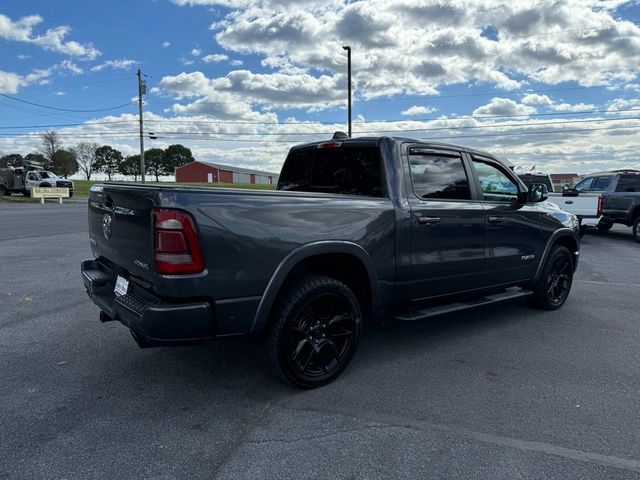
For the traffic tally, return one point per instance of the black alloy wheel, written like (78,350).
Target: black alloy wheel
(559,280)
(551,290)
(635,229)
(315,331)
(321,335)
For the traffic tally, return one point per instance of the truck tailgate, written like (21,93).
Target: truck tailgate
(582,204)
(120,227)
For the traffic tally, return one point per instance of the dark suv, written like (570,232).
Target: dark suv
(620,191)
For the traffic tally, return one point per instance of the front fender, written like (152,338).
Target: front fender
(301,253)
(559,236)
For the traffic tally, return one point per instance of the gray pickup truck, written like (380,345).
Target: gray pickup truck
(358,230)
(619,194)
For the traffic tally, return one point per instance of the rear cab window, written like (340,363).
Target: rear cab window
(348,169)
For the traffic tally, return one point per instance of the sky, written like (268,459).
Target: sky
(552,84)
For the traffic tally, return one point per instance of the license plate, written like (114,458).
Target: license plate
(122,286)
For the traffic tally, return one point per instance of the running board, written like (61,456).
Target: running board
(454,307)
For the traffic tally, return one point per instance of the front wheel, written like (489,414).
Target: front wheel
(553,287)
(314,331)
(635,229)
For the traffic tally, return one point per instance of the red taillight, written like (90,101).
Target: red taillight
(176,246)
(600,204)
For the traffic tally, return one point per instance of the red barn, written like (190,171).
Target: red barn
(202,171)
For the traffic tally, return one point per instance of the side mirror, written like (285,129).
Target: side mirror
(565,187)
(538,192)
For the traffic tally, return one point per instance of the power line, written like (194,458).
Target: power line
(215,136)
(337,122)
(65,109)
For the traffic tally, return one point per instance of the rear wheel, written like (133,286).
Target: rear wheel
(604,225)
(635,229)
(26,193)
(314,331)
(3,191)
(553,287)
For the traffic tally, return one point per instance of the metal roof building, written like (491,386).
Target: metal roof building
(203,171)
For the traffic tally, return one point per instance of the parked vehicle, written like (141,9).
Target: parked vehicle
(620,194)
(357,230)
(587,207)
(23,179)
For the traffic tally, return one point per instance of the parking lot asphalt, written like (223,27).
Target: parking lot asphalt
(501,392)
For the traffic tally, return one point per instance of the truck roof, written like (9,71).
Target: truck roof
(378,139)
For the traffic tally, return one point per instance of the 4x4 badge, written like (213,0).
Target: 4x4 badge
(106,226)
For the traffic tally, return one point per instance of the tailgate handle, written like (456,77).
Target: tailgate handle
(428,220)
(496,219)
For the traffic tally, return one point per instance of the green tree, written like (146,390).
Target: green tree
(64,163)
(130,167)
(107,160)
(11,160)
(176,156)
(154,162)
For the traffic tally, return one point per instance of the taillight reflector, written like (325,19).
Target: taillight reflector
(176,248)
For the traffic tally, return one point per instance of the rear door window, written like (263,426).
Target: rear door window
(345,169)
(628,183)
(601,183)
(442,177)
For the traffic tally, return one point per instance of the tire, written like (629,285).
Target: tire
(553,287)
(26,193)
(4,191)
(314,331)
(582,231)
(604,225)
(635,229)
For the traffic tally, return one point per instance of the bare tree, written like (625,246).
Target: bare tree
(86,157)
(51,144)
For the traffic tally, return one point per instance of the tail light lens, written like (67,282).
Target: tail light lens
(600,204)
(176,245)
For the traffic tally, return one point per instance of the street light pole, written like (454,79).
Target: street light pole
(348,49)
(142,88)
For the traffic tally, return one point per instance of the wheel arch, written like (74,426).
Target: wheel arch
(565,237)
(342,260)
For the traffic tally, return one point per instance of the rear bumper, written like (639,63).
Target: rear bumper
(589,220)
(152,321)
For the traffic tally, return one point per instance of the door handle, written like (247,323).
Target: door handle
(428,220)
(568,202)
(496,219)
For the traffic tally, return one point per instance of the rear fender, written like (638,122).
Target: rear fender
(301,253)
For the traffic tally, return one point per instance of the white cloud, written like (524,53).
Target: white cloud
(195,52)
(11,82)
(535,99)
(166,44)
(503,107)
(23,56)
(123,64)
(236,63)
(22,30)
(215,58)
(60,93)
(71,67)
(418,110)
(573,107)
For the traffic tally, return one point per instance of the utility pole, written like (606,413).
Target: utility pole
(348,49)
(142,89)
